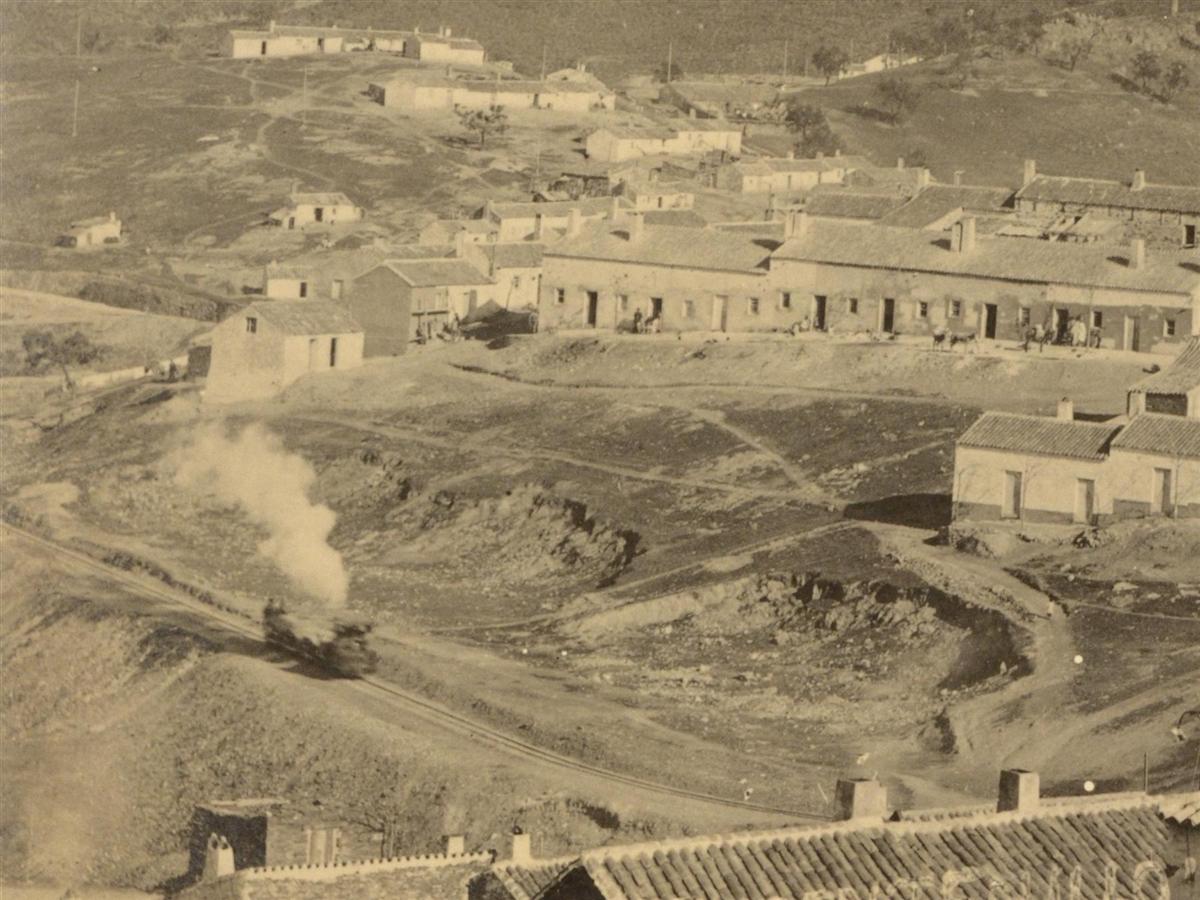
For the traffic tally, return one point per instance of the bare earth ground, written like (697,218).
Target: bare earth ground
(716,575)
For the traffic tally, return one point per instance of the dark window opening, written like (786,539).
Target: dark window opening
(251,325)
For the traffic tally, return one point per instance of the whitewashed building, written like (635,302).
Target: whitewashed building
(697,136)
(323,209)
(92,232)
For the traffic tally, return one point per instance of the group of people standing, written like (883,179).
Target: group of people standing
(644,325)
(1073,332)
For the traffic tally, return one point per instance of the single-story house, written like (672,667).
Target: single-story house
(407,94)
(302,40)
(515,267)
(617,144)
(522,221)
(781,175)
(850,204)
(1042,469)
(286,283)
(938,206)
(1175,390)
(655,195)
(865,277)
(402,300)
(324,209)
(1138,201)
(92,232)
(260,350)
(446,231)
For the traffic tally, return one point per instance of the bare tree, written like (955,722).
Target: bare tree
(898,96)
(44,348)
(493,120)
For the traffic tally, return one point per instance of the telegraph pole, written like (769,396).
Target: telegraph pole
(304,101)
(785,50)
(670,57)
(75,114)
(543,61)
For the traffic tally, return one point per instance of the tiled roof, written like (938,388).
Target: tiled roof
(1041,435)
(420,251)
(939,199)
(1183,809)
(1011,259)
(1179,377)
(850,205)
(587,206)
(1043,849)
(530,87)
(904,180)
(691,248)
(1096,192)
(637,132)
(93,222)
(1165,435)
(772,230)
(305,316)
(513,255)
(325,198)
(680,218)
(527,881)
(437,272)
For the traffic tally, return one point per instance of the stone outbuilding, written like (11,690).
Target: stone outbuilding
(316,209)
(92,232)
(266,346)
(1175,390)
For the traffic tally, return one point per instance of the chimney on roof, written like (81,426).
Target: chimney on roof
(900,162)
(1139,180)
(218,858)
(795,224)
(837,151)
(574,221)
(539,227)
(922,178)
(791,154)
(271,27)
(1030,172)
(522,848)
(1019,791)
(460,243)
(636,226)
(860,799)
(112,216)
(1137,253)
(614,208)
(1066,410)
(691,112)
(449,33)
(456,845)
(963,240)
(958,174)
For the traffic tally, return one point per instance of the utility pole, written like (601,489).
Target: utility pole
(785,50)
(670,59)
(79,34)
(543,61)
(75,115)
(304,102)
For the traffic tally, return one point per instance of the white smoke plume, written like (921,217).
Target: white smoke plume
(254,471)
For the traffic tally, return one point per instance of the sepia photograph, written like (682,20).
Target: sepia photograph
(600,449)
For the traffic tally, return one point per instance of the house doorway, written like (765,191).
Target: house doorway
(291,223)
(472,301)
(820,305)
(333,353)
(1010,507)
(318,214)
(1161,502)
(887,315)
(320,45)
(656,304)
(990,315)
(593,308)
(1062,325)
(1132,333)
(313,353)
(262,50)
(335,289)
(1085,501)
(720,312)
(1189,235)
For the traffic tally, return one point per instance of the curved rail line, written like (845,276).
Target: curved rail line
(427,709)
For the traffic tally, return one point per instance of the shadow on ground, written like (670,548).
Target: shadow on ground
(927,511)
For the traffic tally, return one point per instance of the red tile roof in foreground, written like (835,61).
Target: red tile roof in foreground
(1036,854)
(1040,434)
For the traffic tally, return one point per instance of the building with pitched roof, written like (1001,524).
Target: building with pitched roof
(523,221)
(863,277)
(1040,469)
(1175,390)
(278,40)
(850,204)
(939,206)
(93,232)
(1175,207)
(770,175)
(516,269)
(447,94)
(263,348)
(322,209)
(690,279)
(617,144)
(404,300)
(1119,845)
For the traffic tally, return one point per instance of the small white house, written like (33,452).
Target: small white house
(282,283)
(317,209)
(619,144)
(92,232)
(261,349)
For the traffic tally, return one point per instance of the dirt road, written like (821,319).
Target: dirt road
(378,698)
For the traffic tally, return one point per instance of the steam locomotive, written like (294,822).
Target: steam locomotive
(341,645)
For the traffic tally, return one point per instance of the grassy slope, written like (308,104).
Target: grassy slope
(1085,124)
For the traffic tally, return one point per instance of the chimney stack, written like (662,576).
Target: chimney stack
(614,208)
(456,845)
(522,848)
(795,224)
(1137,253)
(449,33)
(963,240)
(112,216)
(271,27)
(460,243)
(539,227)
(900,163)
(574,222)
(1139,180)
(636,224)
(1019,791)
(922,178)
(958,174)
(791,154)
(691,112)
(1030,172)
(1066,412)
(860,799)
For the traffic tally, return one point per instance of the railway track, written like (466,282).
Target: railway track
(400,698)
